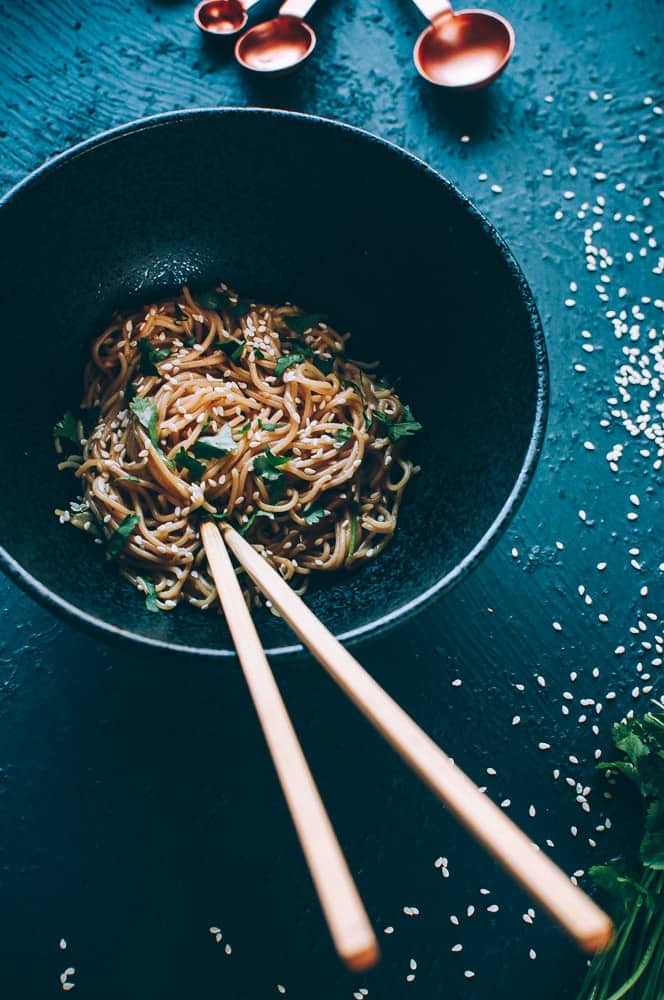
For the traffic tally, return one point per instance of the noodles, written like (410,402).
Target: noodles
(211,407)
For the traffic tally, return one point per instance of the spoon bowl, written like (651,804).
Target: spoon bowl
(276,46)
(465,50)
(221,17)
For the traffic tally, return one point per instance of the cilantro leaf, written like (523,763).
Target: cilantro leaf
(267,464)
(186,461)
(128,479)
(216,445)
(130,392)
(65,427)
(344,434)
(252,518)
(287,361)
(403,428)
(233,348)
(146,413)
(353,531)
(150,356)
(267,426)
(117,541)
(267,467)
(150,594)
(652,844)
(300,324)
(314,513)
(212,299)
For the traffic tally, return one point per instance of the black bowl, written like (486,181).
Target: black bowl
(282,207)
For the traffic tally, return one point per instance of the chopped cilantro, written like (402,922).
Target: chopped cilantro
(233,348)
(403,428)
(300,324)
(146,413)
(212,299)
(216,445)
(267,426)
(129,392)
(185,461)
(66,428)
(150,356)
(267,467)
(245,428)
(344,434)
(314,513)
(287,361)
(179,313)
(353,530)
(252,518)
(258,354)
(118,539)
(150,594)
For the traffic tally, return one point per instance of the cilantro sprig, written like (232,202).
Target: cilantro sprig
(634,885)
(216,445)
(404,427)
(150,356)
(66,427)
(117,541)
(267,466)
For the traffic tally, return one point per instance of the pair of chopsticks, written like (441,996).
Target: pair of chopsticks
(349,926)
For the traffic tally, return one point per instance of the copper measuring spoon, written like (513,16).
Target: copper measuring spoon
(462,50)
(222,17)
(280,44)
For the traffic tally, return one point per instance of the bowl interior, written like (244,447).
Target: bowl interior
(282,207)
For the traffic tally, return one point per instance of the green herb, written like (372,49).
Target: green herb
(128,479)
(66,428)
(212,299)
(344,434)
(150,594)
(267,426)
(186,461)
(353,530)
(367,417)
(205,515)
(129,392)
(150,356)
(146,413)
(267,467)
(118,539)
(403,428)
(245,428)
(233,348)
(287,361)
(258,354)
(256,513)
(635,885)
(190,341)
(179,313)
(314,513)
(324,365)
(300,324)
(216,445)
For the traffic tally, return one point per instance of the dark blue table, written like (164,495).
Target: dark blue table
(137,804)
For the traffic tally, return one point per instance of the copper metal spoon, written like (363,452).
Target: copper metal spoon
(462,50)
(222,17)
(280,44)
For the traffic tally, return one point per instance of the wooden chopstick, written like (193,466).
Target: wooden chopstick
(590,927)
(346,917)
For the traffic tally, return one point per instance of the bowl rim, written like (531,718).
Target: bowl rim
(482,547)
